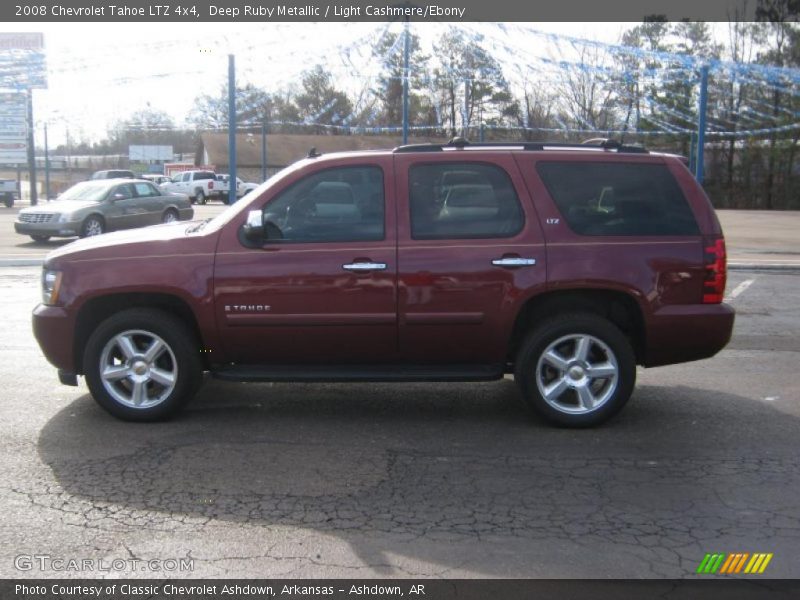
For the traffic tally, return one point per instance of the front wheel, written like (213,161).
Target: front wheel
(8,200)
(576,370)
(92,226)
(142,365)
(40,238)
(200,196)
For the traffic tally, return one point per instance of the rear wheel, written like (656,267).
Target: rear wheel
(200,196)
(8,200)
(576,370)
(142,365)
(170,216)
(93,225)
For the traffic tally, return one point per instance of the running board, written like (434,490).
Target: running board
(353,373)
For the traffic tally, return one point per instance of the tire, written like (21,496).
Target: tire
(170,216)
(137,392)
(200,196)
(93,225)
(40,238)
(8,200)
(560,356)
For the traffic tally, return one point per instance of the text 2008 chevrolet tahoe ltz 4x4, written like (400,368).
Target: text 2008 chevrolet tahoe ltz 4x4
(566,266)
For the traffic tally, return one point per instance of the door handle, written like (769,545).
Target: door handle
(364,266)
(513,261)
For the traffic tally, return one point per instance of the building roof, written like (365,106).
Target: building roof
(284,148)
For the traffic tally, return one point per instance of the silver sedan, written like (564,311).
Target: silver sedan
(94,207)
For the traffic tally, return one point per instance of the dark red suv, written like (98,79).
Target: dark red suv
(564,265)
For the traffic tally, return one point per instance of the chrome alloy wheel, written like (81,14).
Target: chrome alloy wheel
(93,227)
(577,374)
(138,369)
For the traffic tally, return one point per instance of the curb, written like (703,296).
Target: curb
(21,262)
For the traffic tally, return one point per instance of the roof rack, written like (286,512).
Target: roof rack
(460,143)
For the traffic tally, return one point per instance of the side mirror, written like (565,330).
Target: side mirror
(254,226)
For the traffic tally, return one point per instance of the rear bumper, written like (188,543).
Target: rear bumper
(53,328)
(682,333)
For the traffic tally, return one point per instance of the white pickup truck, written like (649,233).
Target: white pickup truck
(242,188)
(8,192)
(198,185)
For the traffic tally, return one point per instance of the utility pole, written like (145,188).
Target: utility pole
(406,54)
(232,128)
(31,151)
(46,166)
(701,123)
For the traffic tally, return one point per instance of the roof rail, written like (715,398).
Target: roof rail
(459,143)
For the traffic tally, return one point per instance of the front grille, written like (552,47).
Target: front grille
(35,217)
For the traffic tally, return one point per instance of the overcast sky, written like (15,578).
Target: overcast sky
(98,73)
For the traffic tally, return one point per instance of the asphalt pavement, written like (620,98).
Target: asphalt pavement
(410,480)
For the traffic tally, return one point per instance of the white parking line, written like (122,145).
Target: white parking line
(740,288)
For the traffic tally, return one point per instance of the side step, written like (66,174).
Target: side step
(352,373)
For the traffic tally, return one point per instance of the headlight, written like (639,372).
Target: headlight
(51,282)
(64,218)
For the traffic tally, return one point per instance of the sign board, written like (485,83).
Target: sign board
(171,169)
(13,128)
(22,63)
(148,153)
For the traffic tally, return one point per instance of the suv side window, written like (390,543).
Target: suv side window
(618,199)
(333,205)
(463,200)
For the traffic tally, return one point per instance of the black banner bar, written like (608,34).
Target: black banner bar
(386,589)
(239,11)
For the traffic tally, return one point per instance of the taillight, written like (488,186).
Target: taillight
(715,262)
(211,185)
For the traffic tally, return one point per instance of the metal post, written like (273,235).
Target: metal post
(46,166)
(232,128)
(31,152)
(263,150)
(466,108)
(406,53)
(701,123)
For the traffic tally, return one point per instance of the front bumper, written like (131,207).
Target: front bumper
(53,328)
(69,229)
(682,333)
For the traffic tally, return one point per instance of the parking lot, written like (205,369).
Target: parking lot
(411,480)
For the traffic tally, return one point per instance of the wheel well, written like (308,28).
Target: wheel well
(618,307)
(97,310)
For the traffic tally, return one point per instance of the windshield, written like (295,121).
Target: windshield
(88,191)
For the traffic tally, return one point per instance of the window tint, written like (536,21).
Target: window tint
(123,191)
(204,175)
(342,204)
(462,200)
(618,199)
(145,190)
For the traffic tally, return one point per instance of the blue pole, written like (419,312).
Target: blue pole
(406,52)
(263,150)
(232,128)
(701,123)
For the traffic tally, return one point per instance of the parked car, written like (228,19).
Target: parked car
(242,188)
(8,192)
(565,266)
(198,185)
(155,178)
(113,174)
(93,207)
